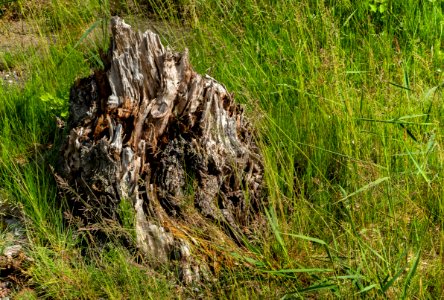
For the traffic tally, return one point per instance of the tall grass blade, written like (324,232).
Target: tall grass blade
(307,238)
(401,86)
(368,288)
(87,32)
(409,132)
(418,167)
(311,270)
(410,275)
(80,40)
(364,188)
(349,18)
(312,288)
(395,121)
(386,286)
(315,240)
(272,219)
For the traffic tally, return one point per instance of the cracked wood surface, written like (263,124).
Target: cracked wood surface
(152,130)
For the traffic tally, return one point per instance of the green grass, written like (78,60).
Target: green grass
(348,106)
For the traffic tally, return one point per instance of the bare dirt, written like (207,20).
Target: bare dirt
(18,35)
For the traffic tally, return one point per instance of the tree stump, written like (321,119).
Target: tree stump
(150,130)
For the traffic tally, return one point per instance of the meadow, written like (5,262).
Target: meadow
(347,99)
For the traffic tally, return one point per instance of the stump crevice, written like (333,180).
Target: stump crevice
(151,130)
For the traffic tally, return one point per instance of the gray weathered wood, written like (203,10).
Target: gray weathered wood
(152,130)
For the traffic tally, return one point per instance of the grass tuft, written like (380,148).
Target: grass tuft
(347,100)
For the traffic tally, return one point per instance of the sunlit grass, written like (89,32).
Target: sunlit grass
(348,107)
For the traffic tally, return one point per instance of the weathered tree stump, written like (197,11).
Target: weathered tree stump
(150,130)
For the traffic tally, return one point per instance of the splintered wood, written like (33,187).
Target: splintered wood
(148,129)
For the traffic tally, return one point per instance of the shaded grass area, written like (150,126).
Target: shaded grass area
(348,104)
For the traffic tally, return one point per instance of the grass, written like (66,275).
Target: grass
(349,113)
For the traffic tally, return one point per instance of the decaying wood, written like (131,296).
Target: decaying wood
(151,130)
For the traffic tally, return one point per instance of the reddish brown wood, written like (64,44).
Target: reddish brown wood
(173,142)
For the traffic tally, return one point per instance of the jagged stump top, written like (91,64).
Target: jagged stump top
(150,129)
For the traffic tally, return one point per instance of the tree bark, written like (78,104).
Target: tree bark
(149,129)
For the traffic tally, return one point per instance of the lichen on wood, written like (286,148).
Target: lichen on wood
(151,130)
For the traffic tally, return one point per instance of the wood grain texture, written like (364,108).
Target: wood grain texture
(150,129)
